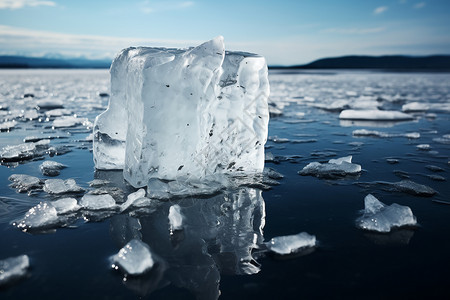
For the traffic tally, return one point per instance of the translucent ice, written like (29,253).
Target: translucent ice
(40,216)
(51,168)
(5,126)
(132,198)
(379,217)
(66,205)
(67,121)
(98,202)
(339,167)
(193,112)
(175,218)
(374,115)
(18,152)
(375,133)
(291,244)
(24,183)
(59,186)
(134,258)
(411,187)
(13,268)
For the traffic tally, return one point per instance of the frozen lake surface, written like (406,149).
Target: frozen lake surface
(215,242)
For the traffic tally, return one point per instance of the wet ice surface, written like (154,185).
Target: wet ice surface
(226,227)
(134,258)
(13,268)
(291,244)
(334,168)
(377,216)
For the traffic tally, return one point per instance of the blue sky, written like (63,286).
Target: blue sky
(285,32)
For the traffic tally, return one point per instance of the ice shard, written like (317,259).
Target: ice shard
(184,112)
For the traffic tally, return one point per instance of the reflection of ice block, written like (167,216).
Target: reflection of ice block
(193,112)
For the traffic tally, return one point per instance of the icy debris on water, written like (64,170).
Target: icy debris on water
(374,115)
(445,139)
(24,183)
(58,112)
(132,198)
(291,244)
(423,147)
(8,125)
(392,161)
(98,202)
(114,191)
(65,205)
(436,177)
(413,188)
(434,168)
(374,133)
(59,186)
(335,168)
(67,121)
(48,104)
(41,216)
(51,168)
(175,218)
(377,216)
(13,268)
(18,152)
(271,173)
(98,182)
(135,258)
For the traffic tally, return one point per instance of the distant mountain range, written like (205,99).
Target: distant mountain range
(388,62)
(391,62)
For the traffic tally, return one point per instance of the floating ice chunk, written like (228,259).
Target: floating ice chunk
(67,121)
(5,126)
(98,182)
(49,104)
(98,202)
(175,218)
(424,147)
(51,168)
(415,107)
(271,173)
(434,168)
(291,244)
(222,122)
(59,186)
(65,205)
(13,268)
(134,258)
(436,177)
(30,114)
(374,115)
(379,217)
(132,198)
(40,216)
(333,169)
(23,183)
(411,187)
(18,152)
(374,133)
(445,139)
(57,112)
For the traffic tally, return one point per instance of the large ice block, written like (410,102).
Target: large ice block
(184,112)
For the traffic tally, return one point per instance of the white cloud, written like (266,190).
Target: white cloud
(354,30)
(380,10)
(419,5)
(36,42)
(148,7)
(16,4)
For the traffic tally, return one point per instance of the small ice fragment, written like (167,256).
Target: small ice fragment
(423,147)
(90,137)
(65,205)
(415,107)
(5,126)
(13,268)
(38,217)
(98,202)
(445,139)
(175,218)
(436,177)
(392,161)
(30,114)
(375,133)
(271,173)
(157,189)
(98,182)
(335,168)
(67,121)
(434,168)
(374,115)
(410,187)
(59,186)
(18,152)
(379,217)
(269,157)
(290,244)
(23,183)
(51,168)
(134,258)
(57,112)
(48,104)
(132,198)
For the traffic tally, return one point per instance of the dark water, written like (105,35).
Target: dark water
(220,243)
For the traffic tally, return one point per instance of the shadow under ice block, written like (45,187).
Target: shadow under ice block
(184,113)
